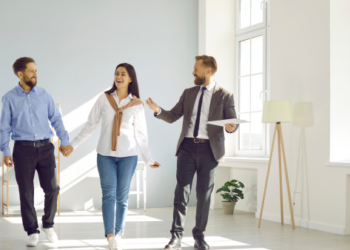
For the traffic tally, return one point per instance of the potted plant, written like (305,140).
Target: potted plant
(231,193)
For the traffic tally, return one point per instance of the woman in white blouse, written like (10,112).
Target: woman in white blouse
(123,128)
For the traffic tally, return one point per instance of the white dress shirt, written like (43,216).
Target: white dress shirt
(133,130)
(202,131)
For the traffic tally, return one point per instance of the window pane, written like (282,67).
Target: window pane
(245,57)
(256,96)
(257,54)
(244,132)
(244,94)
(256,131)
(245,13)
(257,12)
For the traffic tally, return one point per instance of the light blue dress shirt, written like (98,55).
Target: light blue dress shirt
(27,116)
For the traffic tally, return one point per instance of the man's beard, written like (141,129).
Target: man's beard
(199,81)
(29,83)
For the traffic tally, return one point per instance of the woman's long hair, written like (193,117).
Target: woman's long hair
(133,86)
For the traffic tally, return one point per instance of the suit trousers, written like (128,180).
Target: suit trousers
(193,158)
(26,160)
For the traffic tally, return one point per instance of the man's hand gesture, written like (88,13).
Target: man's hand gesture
(152,105)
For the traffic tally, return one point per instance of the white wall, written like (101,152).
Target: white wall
(77,46)
(347,229)
(301,72)
(219,41)
(309,58)
(340,78)
(216,37)
(340,91)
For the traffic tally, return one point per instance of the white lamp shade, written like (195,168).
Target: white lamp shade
(277,111)
(303,114)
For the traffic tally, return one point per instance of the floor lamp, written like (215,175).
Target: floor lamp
(278,112)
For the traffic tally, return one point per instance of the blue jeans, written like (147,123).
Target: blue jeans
(115,175)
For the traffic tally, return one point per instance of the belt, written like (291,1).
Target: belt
(197,140)
(35,144)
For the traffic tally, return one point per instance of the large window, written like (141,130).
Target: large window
(251,75)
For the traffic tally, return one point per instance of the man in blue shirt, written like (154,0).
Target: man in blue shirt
(26,112)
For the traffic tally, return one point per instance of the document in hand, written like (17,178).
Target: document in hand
(221,123)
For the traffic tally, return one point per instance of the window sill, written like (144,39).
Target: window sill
(338,163)
(247,159)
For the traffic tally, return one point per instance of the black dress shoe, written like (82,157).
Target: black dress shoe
(174,244)
(200,243)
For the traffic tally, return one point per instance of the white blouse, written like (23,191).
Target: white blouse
(133,130)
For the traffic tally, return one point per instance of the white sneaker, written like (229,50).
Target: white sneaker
(115,243)
(50,234)
(33,240)
(119,242)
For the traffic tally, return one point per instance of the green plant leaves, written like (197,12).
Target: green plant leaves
(226,196)
(232,191)
(223,189)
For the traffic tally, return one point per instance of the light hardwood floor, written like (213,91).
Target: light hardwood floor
(150,230)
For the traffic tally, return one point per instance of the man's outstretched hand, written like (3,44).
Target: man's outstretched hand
(152,105)
(8,161)
(66,150)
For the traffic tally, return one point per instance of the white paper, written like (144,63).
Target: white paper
(223,122)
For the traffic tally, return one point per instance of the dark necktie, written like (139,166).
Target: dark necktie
(196,126)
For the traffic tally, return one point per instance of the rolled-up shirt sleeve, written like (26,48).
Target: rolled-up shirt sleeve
(141,135)
(5,127)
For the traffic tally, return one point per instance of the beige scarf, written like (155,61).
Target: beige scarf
(119,116)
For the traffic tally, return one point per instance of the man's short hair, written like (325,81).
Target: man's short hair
(21,64)
(208,61)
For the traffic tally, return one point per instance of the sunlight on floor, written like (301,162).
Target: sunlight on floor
(83,248)
(148,243)
(215,241)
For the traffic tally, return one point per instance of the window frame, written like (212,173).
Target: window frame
(261,29)
(261,25)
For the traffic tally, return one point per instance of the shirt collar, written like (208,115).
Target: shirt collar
(129,96)
(20,90)
(210,87)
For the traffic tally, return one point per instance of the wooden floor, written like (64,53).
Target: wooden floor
(150,230)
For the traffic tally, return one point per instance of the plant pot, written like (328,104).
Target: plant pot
(228,206)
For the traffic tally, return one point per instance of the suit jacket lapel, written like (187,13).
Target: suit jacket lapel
(215,99)
(193,97)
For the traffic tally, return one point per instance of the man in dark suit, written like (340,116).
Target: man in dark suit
(200,147)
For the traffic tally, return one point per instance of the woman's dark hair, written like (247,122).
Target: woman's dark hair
(133,86)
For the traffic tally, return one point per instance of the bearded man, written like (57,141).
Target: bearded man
(200,147)
(26,110)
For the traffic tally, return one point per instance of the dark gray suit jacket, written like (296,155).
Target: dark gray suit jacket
(221,107)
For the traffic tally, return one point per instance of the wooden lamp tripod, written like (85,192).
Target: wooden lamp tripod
(277,112)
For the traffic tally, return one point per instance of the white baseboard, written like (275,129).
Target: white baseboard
(304,223)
